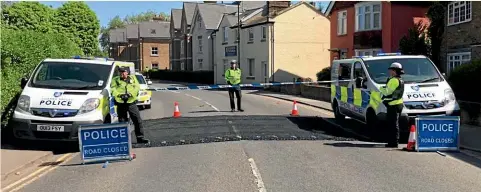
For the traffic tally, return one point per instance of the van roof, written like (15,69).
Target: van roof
(393,57)
(100,62)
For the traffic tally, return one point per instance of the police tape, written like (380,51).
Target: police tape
(259,85)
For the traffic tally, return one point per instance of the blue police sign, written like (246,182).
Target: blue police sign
(437,133)
(230,51)
(105,142)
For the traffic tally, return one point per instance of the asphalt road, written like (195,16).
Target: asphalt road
(291,154)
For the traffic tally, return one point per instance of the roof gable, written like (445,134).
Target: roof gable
(189,8)
(176,17)
(211,14)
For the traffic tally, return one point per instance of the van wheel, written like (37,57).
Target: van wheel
(339,117)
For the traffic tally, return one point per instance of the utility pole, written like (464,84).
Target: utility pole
(238,34)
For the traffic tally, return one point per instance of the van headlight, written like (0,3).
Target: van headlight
(142,93)
(449,96)
(24,103)
(89,105)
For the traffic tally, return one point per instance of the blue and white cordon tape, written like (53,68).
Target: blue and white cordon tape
(197,87)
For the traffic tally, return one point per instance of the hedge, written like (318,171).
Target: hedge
(21,51)
(201,77)
(462,77)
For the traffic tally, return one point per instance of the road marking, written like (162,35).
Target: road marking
(213,107)
(38,173)
(257,175)
(174,91)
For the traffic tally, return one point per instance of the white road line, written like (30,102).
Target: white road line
(213,107)
(257,175)
(174,91)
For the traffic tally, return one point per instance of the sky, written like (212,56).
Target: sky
(106,10)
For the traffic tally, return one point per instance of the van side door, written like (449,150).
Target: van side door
(360,92)
(345,78)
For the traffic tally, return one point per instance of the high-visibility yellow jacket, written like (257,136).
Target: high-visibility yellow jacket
(129,85)
(233,76)
(394,90)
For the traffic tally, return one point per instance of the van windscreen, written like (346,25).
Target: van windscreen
(68,75)
(416,70)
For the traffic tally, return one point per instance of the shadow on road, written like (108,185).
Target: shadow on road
(466,158)
(209,111)
(360,145)
(9,142)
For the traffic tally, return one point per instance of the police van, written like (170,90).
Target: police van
(62,94)
(355,87)
(145,96)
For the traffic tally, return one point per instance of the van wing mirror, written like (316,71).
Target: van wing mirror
(149,82)
(23,82)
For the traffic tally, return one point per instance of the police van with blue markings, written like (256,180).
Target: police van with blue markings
(62,94)
(356,82)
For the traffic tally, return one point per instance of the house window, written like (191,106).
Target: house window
(342,23)
(226,34)
(457,59)
(252,65)
(200,43)
(264,32)
(459,12)
(199,22)
(152,31)
(200,61)
(154,51)
(154,66)
(182,47)
(237,34)
(251,35)
(225,64)
(343,54)
(182,66)
(367,52)
(368,16)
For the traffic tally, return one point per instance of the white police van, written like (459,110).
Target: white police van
(62,94)
(356,82)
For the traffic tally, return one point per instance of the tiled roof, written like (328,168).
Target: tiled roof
(212,13)
(176,17)
(118,35)
(189,8)
(155,29)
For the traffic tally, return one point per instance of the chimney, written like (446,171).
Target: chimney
(276,6)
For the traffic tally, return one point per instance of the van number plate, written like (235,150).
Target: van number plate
(54,128)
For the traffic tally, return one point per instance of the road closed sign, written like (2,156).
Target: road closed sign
(437,133)
(105,142)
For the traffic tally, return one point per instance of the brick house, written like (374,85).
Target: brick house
(462,34)
(153,44)
(367,28)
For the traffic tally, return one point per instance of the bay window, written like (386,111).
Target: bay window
(368,16)
(459,12)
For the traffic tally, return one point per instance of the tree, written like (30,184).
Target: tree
(115,23)
(415,42)
(80,24)
(435,31)
(145,16)
(28,15)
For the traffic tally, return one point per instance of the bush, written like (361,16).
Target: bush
(324,75)
(21,51)
(463,76)
(201,77)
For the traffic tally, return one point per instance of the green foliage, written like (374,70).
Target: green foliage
(324,75)
(415,43)
(80,24)
(464,75)
(145,16)
(28,15)
(21,51)
(436,16)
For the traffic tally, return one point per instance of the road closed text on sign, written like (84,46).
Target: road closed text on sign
(437,133)
(109,141)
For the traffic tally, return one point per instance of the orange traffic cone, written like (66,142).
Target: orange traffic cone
(294,111)
(412,139)
(176,111)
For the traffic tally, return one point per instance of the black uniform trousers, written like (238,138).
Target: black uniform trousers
(238,95)
(393,116)
(134,113)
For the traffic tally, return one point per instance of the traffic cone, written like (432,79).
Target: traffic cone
(412,139)
(294,111)
(176,111)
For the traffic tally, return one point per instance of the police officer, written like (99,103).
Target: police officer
(233,77)
(125,90)
(392,99)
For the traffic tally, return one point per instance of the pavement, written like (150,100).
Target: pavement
(262,149)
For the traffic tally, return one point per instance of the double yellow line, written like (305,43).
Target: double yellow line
(37,174)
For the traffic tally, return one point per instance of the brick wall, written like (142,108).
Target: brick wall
(163,57)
